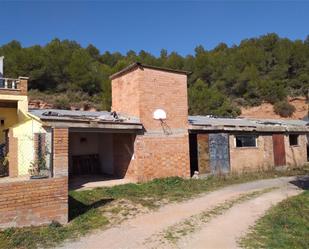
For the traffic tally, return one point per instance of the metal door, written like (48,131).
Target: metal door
(219,153)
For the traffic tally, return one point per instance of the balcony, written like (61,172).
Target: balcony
(11,86)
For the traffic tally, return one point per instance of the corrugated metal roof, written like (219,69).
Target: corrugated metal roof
(292,122)
(212,121)
(69,115)
(254,124)
(196,122)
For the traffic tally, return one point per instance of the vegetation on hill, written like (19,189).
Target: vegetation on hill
(267,68)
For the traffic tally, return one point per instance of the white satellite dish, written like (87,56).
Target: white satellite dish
(159,114)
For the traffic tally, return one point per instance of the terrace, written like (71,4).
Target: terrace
(9,86)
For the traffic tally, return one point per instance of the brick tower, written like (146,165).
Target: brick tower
(163,149)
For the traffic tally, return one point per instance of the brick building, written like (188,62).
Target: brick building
(147,135)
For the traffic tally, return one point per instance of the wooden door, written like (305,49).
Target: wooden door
(203,154)
(219,153)
(279,149)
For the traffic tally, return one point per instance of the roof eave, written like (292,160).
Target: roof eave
(140,65)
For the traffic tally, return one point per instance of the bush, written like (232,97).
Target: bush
(204,100)
(62,102)
(284,109)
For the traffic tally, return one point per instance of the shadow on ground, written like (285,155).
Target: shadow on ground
(77,208)
(301,182)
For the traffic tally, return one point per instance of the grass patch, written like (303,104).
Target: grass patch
(88,208)
(153,193)
(286,225)
(48,236)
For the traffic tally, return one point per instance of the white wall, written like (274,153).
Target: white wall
(94,143)
(89,146)
(106,153)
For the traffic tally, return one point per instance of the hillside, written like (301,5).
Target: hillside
(266,110)
(266,69)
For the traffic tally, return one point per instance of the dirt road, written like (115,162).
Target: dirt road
(221,231)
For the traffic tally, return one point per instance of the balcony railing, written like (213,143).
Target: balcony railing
(9,84)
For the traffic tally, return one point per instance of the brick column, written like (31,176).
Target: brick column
(61,151)
(13,155)
(23,85)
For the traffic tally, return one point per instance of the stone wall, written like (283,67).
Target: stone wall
(296,155)
(252,158)
(244,159)
(33,202)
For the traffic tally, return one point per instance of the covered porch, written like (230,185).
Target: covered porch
(100,157)
(100,146)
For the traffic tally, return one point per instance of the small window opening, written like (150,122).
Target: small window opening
(245,141)
(293,138)
(2,122)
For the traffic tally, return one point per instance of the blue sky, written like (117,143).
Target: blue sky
(151,25)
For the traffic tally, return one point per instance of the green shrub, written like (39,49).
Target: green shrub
(62,102)
(284,109)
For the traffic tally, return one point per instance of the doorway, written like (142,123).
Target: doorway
(219,153)
(209,153)
(98,157)
(279,150)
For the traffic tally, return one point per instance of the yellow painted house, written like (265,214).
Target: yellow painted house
(17,126)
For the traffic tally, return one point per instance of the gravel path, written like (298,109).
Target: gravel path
(135,233)
(224,231)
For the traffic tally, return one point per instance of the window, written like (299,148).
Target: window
(245,141)
(1,122)
(293,138)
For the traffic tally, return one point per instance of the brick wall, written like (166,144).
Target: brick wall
(161,156)
(13,156)
(23,86)
(33,202)
(163,149)
(125,93)
(167,91)
(61,151)
(296,155)
(123,148)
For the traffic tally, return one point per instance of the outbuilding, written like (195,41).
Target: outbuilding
(223,145)
(147,135)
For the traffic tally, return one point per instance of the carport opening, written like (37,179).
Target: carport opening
(96,159)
